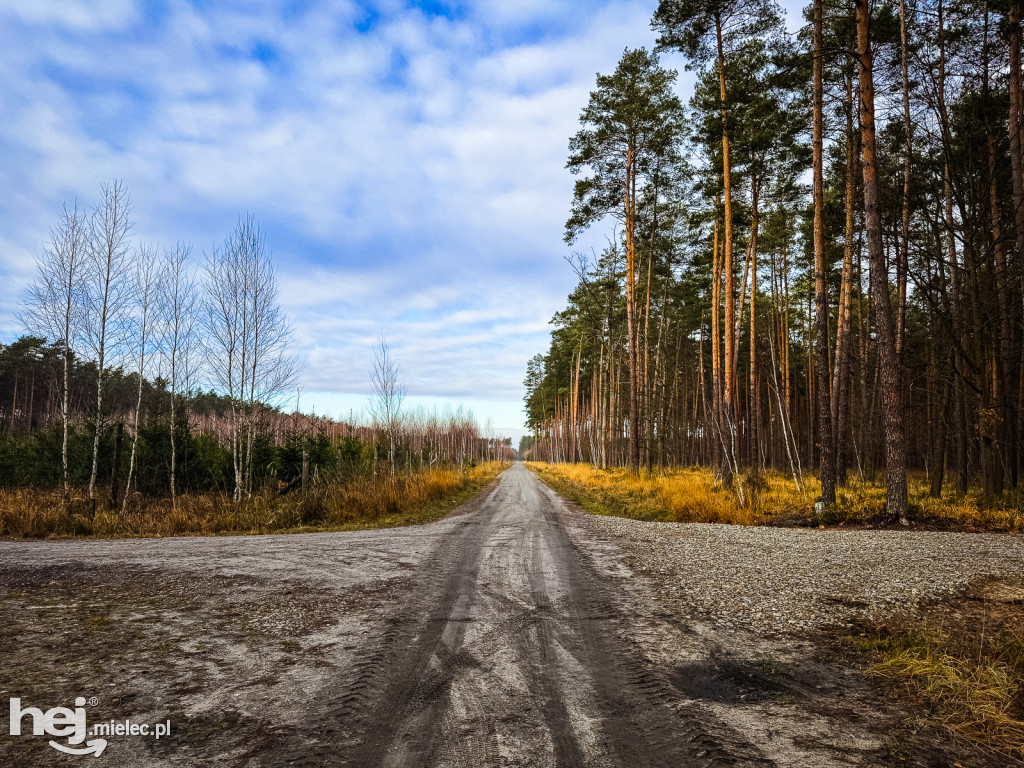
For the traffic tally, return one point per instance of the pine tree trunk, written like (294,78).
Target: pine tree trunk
(729,386)
(826,451)
(754,411)
(715,427)
(939,447)
(841,376)
(1002,373)
(1017,173)
(631,319)
(904,247)
(888,360)
(953,276)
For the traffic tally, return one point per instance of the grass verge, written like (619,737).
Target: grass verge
(770,498)
(355,503)
(961,662)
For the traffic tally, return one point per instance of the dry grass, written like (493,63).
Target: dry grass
(963,662)
(379,502)
(691,495)
(865,502)
(976,696)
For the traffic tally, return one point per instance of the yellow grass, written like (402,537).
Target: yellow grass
(969,681)
(691,495)
(378,502)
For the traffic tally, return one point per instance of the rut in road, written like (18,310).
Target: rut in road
(515,652)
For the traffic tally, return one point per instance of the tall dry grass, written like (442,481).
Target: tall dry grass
(359,502)
(678,495)
(965,667)
(692,495)
(975,694)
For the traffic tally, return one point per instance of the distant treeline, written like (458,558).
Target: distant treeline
(31,434)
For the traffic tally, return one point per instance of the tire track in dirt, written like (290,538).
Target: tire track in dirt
(644,721)
(345,727)
(513,653)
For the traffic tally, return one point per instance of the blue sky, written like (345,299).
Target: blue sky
(406,160)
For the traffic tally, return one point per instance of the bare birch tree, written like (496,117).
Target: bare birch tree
(146,291)
(179,304)
(106,294)
(54,302)
(248,336)
(388,395)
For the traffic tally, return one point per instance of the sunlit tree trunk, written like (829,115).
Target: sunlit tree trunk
(729,385)
(715,426)
(826,450)
(631,319)
(841,376)
(754,410)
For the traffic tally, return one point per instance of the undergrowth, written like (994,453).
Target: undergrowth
(770,498)
(963,663)
(349,504)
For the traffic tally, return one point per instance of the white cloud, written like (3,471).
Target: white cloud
(74,14)
(410,178)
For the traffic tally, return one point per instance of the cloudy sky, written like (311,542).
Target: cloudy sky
(405,159)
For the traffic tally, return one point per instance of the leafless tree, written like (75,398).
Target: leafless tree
(107,293)
(179,304)
(146,290)
(248,336)
(54,303)
(388,395)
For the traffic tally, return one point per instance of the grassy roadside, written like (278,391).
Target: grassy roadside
(691,495)
(961,661)
(605,492)
(355,504)
(422,509)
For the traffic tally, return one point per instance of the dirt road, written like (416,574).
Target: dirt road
(505,635)
(515,657)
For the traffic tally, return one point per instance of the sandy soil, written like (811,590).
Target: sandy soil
(510,634)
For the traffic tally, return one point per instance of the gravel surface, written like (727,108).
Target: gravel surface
(772,580)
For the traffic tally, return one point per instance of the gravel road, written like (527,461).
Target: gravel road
(773,580)
(517,632)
